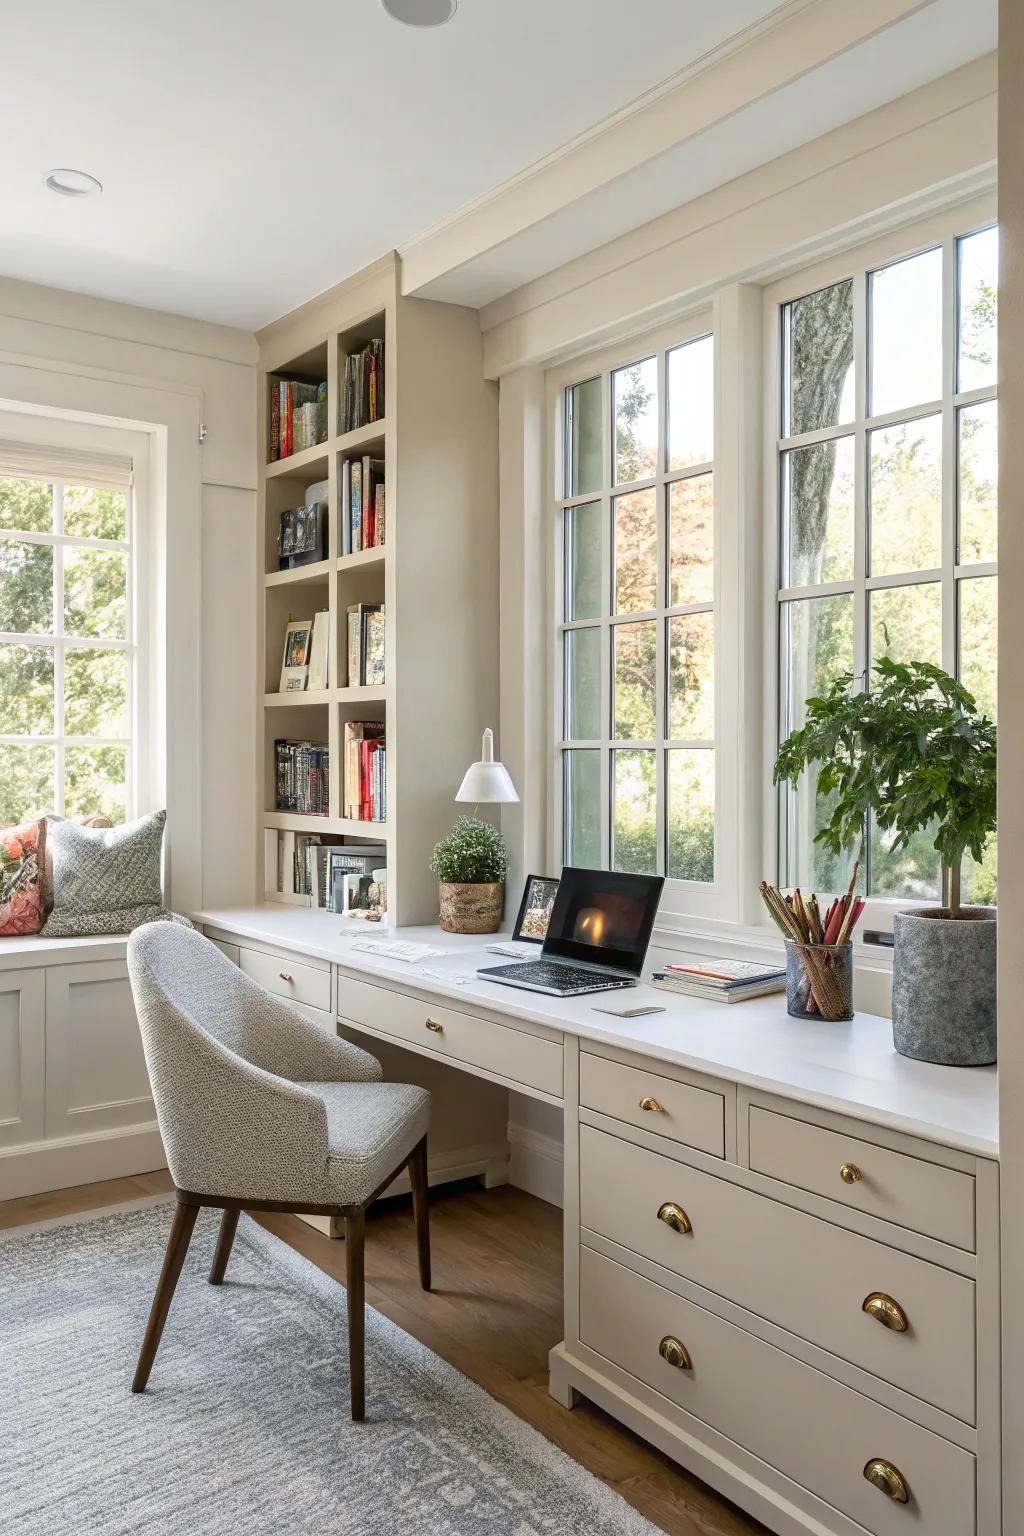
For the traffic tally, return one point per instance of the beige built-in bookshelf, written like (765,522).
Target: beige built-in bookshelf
(436,573)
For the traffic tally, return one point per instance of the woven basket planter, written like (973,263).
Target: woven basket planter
(471,908)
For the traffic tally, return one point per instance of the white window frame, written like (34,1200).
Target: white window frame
(941,230)
(682,898)
(138,752)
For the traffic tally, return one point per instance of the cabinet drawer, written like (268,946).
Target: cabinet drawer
(288,978)
(806,1425)
(695,1116)
(909,1191)
(230,950)
(809,1276)
(522,1057)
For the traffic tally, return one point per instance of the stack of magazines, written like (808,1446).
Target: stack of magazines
(726,981)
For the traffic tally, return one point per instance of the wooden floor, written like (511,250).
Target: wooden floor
(494,1312)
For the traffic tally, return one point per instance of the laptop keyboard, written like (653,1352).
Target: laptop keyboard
(567,978)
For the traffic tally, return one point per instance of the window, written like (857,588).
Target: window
(635,704)
(67,641)
(887,498)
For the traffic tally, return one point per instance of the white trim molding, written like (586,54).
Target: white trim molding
(779,49)
(930,148)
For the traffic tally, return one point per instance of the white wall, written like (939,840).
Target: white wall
(65,350)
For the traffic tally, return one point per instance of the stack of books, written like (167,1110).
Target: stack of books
(301,777)
(362,504)
(365,765)
(298,416)
(366,668)
(724,981)
(363,400)
(326,870)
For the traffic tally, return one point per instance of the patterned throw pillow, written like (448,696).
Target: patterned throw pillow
(22,864)
(106,880)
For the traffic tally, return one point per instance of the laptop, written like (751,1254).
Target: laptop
(597,937)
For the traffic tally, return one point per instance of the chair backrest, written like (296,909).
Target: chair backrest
(213,1056)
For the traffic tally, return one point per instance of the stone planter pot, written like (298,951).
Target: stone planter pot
(944,987)
(471,908)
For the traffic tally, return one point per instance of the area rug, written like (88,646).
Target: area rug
(244,1430)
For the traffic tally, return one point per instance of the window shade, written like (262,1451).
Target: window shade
(73,466)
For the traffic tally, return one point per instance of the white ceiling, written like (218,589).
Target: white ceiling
(254,153)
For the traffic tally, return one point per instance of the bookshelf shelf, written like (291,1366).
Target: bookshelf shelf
(373,556)
(365,694)
(360,438)
(288,821)
(294,700)
(433,450)
(310,459)
(302,575)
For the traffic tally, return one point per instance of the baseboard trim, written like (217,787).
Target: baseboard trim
(39,1166)
(536,1163)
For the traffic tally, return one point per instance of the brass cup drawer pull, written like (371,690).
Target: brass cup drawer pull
(889,1479)
(676,1353)
(886,1311)
(434,1027)
(849,1173)
(285,977)
(675,1217)
(653,1105)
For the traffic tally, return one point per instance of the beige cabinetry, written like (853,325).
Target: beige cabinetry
(805,1314)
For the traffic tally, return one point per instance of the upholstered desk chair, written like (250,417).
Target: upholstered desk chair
(260,1110)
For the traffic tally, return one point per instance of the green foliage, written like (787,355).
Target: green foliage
(915,751)
(95,682)
(473,853)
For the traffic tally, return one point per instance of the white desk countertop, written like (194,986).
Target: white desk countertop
(850,1068)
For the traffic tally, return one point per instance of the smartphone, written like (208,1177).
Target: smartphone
(628,1013)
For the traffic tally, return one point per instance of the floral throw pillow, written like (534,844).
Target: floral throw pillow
(22,868)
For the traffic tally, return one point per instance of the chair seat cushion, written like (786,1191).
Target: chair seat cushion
(371,1129)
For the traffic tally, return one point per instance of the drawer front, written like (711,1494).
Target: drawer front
(808,1276)
(695,1116)
(288,978)
(806,1425)
(231,950)
(912,1193)
(509,1053)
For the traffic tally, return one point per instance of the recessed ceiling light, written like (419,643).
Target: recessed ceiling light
(421,13)
(70,183)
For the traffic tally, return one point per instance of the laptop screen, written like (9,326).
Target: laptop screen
(603,918)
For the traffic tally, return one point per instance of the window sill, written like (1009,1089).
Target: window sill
(19,952)
(732,941)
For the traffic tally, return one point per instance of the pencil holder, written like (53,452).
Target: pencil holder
(819,981)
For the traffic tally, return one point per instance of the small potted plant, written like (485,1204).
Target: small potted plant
(471,864)
(918,754)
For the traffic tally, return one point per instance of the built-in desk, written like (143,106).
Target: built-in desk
(781,1237)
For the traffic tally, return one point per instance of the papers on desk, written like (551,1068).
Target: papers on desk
(398,949)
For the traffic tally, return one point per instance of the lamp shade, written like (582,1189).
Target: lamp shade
(487,782)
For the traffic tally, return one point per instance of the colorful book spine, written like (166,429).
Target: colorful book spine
(275,424)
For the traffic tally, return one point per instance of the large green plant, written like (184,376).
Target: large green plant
(473,853)
(915,751)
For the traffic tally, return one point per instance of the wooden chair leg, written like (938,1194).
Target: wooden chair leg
(228,1225)
(421,1209)
(177,1247)
(355,1232)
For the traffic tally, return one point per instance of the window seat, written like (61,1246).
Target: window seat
(18,951)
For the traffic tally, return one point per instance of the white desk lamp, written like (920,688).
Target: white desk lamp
(487,782)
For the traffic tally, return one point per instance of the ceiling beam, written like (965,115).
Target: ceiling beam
(796,38)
